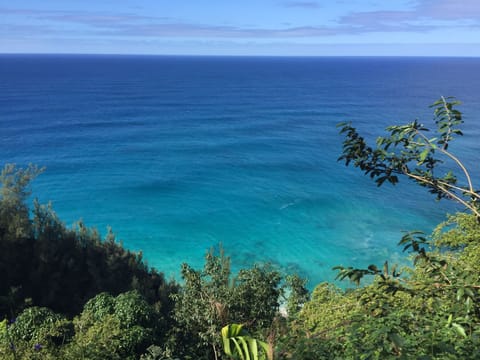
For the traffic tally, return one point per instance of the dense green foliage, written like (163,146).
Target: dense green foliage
(213,298)
(115,328)
(108,328)
(59,268)
(430,312)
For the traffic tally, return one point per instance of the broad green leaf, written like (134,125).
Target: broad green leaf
(239,349)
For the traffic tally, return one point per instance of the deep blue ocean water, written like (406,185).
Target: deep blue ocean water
(179,154)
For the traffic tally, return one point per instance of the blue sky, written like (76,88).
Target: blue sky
(247,27)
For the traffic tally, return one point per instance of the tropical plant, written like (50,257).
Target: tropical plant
(213,298)
(238,344)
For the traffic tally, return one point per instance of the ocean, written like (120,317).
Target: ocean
(181,154)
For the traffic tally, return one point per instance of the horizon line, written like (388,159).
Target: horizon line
(233,55)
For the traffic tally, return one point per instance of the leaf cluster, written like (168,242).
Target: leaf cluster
(408,151)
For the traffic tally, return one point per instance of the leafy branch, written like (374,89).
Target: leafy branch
(441,275)
(408,151)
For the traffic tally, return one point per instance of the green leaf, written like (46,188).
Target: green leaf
(460,293)
(469,292)
(239,349)
(3,327)
(423,155)
(252,345)
(459,329)
(449,320)
(245,346)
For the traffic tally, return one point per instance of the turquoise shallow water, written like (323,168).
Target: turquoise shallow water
(178,154)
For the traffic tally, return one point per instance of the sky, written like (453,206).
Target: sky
(242,27)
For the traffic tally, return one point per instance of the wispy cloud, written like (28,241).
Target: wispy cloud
(449,9)
(302,4)
(91,19)
(422,16)
(99,19)
(25,30)
(118,24)
(384,21)
(207,31)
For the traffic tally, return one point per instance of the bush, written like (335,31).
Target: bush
(110,327)
(213,298)
(35,333)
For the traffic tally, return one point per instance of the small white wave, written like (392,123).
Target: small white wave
(284,206)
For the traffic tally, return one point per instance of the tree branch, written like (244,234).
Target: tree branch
(446,191)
